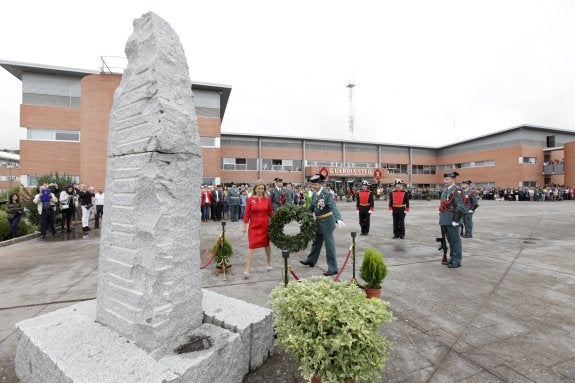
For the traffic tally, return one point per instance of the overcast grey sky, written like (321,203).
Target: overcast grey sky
(427,72)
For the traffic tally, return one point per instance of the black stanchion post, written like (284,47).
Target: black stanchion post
(285,254)
(224,265)
(353,234)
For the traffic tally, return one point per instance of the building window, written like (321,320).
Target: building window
(371,165)
(528,184)
(395,168)
(322,163)
(281,165)
(9,164)
(239,164)
(53,135)
(209,142)
(475,164)
(67,135)
(423,169)
(527,160)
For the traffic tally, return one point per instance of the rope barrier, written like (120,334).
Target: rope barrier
(335,279)
(344,264)
(220,240)
(294,275)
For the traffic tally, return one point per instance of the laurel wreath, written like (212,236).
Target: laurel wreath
(222,249)
(283,216)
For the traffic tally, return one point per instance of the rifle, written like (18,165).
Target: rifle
(443,246)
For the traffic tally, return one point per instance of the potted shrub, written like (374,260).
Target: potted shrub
(373,270)
(331,329)
(222,249)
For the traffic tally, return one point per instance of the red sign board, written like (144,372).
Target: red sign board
(324,172)
(377,174)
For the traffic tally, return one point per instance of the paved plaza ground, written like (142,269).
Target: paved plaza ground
(507,315)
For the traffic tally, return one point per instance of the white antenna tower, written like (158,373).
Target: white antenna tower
(350,86)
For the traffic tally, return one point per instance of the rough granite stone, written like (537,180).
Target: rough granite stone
(253,323)
(149,280)
(153,107)
(68,345)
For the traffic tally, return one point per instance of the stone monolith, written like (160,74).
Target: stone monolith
(149,280)
(151,321)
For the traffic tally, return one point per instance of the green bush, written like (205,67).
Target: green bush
(23,227)
(373,269)
(331,329)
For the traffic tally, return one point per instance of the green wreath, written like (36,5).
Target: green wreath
(283,216)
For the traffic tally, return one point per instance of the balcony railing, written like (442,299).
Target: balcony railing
(552,169)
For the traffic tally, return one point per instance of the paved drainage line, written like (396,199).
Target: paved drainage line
(487,298)
(448,347)
(55,301)
(532,266)
(47,303)
(68,289)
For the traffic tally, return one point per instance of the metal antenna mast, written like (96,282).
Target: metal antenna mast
(350,86)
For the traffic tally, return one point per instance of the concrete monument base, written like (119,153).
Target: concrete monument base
(68,345)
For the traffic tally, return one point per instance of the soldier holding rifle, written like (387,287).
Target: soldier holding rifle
(451,210)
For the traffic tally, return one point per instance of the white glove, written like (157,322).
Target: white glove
(454,223)
(470,211)
(340,224)
(370,212)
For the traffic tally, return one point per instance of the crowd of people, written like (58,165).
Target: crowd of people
(222,202)
(74,203)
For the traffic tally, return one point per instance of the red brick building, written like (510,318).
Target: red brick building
(65,112)
(9,170)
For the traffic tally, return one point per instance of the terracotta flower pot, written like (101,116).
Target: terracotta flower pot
(373,293)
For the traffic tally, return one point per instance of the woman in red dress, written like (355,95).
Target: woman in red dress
(258,213)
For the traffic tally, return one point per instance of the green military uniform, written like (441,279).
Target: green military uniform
(234,203)
(289,196)
(471,204)
(326,215)
(450,211)
(277,195)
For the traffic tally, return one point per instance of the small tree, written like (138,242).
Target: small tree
(373,269)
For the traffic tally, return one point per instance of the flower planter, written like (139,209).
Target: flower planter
(372,293)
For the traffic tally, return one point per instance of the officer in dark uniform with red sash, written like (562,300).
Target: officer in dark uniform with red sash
(471,204)
(450,212)
(399,205)
(365,207)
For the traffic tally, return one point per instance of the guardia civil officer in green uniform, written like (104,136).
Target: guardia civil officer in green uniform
(451,209)
(289,193)
(471,204)
(278,194)
(327,216)
(234,202)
